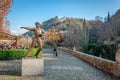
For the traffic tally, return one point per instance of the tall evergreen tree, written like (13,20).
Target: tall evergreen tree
(108,17)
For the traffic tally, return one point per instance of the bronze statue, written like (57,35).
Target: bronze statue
(38,33)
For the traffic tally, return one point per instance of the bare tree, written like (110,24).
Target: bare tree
(77,36)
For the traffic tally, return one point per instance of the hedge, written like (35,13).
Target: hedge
(12,54)
(16,54)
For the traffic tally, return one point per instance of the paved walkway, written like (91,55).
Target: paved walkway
(65,67)
(68,67)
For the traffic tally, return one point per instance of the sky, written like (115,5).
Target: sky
(27,12)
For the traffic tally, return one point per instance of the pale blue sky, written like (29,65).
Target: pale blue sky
(27,12)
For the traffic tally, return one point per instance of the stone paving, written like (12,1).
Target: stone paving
(68,67)
(65,67)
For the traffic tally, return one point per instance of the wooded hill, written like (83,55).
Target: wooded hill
(98,29)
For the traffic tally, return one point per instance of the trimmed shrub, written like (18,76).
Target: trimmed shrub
(34,51)
(12,54)
(16,54)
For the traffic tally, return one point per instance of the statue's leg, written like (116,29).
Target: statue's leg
(30,48)
(37,52)
(39,42)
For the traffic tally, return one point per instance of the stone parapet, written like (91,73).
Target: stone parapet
(106,65)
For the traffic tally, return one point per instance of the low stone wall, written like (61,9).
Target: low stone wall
(10,67)
(29,66)
(103,64)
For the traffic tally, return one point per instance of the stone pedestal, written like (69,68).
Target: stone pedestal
(32,66)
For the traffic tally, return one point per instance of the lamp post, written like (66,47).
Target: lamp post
(27,45)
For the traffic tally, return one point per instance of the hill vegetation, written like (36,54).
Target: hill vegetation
(88,35)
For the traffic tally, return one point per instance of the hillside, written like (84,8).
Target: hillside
(96,27)
(63,24)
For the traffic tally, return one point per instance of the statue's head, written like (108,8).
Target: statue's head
(37,24)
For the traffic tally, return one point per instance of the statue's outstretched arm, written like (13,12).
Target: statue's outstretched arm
(43,31)
(28,28)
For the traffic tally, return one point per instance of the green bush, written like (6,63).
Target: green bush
(109,52)
(96,49)
(33,52)
(16,54)
(101,50)
(12,54)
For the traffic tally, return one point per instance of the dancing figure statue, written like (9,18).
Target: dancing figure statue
(38,33)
